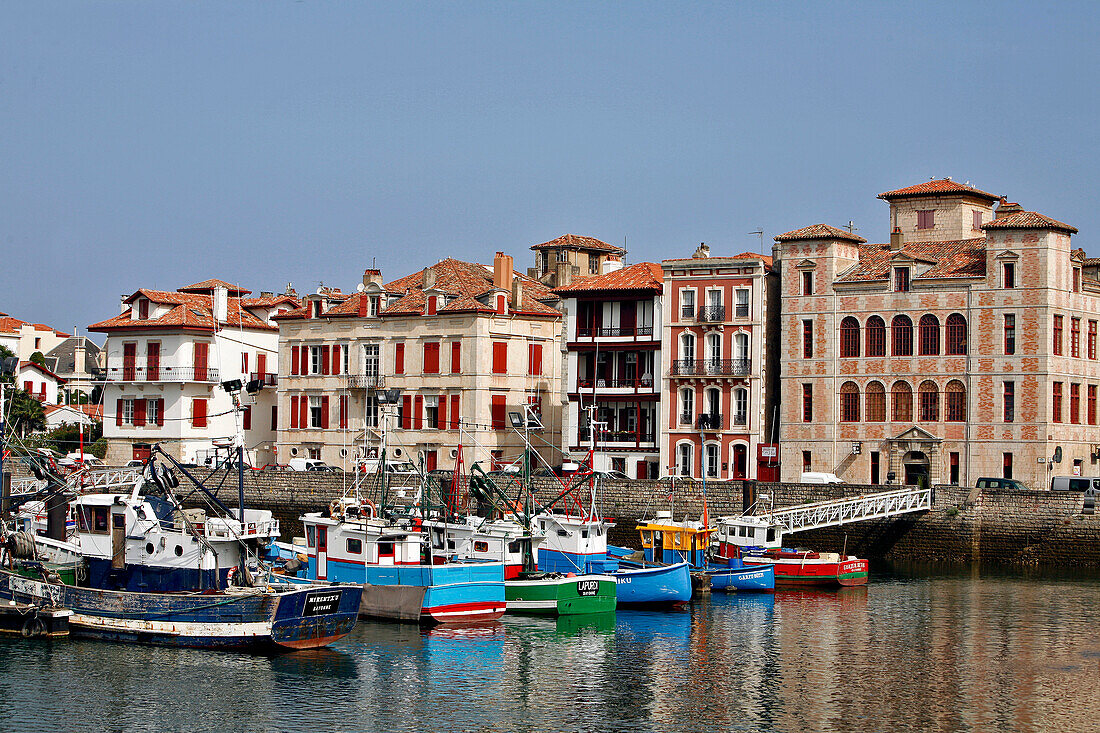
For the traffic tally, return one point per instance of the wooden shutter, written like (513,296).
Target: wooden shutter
(160,412)
(201,361)
(118,412)
(418,412)
(343,411)
(198,413)
(534,359)
(139,413)
(431,358)
(500,357)
(244,364)
(294,412)
(406,412)
(399,358)
(441,414)
(454,412)
(325,355)
(303,412)
(274,417)
(261,364)
(456,357)
(498,411)
(336,361)
(294,361)
(247,417)
(324,412)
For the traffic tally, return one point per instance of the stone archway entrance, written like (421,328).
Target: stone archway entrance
(914,458)
(915,466)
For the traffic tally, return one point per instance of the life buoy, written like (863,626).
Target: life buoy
(335,510)
(33,627)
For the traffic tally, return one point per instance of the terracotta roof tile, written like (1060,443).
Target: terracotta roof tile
(573,240)
(959,258)
(819,231)
(212,283)
(642,276)
(465,282)
(190,310)
(270,301)
(937,187)
(1028,220)
(10,325)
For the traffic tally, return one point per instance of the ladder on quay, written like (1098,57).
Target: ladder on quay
(835,512)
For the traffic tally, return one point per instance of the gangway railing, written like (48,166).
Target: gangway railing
(835,512)
(100,479)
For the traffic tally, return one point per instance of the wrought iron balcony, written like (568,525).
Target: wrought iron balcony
(617,436)
(643,382)
(364,381)
(161,373)
(609,332)
(711,367)
(709,421)
(711,314)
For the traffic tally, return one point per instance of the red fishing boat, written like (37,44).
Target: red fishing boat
(758,540)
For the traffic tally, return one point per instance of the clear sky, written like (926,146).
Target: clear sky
(155,144)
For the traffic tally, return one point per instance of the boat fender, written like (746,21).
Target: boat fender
(33,627)
(293,565)
(302,557)
(229,576)
(570,575)
(334,509)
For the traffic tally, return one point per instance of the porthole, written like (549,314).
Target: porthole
(343,452)
(148,548)
(293,451)
(179,551)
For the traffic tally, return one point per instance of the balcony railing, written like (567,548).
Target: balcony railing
(589,332)
(364,381)
(616,436)
(711,314)
(638,383)
(711,367)
(161,373)
(709,421)
(267,379)
(739,419)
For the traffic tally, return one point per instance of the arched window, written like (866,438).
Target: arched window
(687,349)
(903,402)
(929,335)
(955,401)
(876,336)
(956,335)
(711,454)
(902,328)
(684,454)
(687,406)
(876,402)
(929,401)
(741,347)
(849,402)
(849,338)
(714,352)
(740,464)
(740,407)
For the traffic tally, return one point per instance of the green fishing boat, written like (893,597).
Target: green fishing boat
(557,594)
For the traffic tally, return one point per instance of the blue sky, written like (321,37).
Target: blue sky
(157,144)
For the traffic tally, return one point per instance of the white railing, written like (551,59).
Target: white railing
(835,512)
(100,479)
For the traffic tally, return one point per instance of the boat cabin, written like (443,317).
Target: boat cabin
(573,544)
(667,542)
(734,534)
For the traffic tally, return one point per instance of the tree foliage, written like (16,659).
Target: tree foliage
(38,358)
(24,413)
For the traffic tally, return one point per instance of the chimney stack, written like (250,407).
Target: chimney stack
(502,271)
(429,279)
(702,252)
(371,275)
(221,304)
(896,239)
(1004,208)
(517,293)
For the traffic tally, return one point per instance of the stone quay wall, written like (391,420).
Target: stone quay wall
(1015,527)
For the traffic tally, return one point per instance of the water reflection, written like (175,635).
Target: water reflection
(917,649)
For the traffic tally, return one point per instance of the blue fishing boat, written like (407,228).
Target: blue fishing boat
(740,577)
(667,541)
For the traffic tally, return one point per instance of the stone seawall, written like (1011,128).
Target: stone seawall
(1025,527)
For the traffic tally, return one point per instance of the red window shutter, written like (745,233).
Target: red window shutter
(261,364)
(431,305)
(305,359)
(294,368)
(294,413)
(324,412)
(42,392)
(418,412)
(498,412)
(303,412)
(534,359)
(406,412)
(399,358)
(441,416)
(500,357)
(454,412)
(325,355)
(456,357)
(160,412)
(337,359)
(274,417)
(198,413)
(28,387)
(343,411)
(139,413)
(431,358)
(244,363)
(118,412)
(247,417)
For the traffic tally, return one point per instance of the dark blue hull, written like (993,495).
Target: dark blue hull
(152,579)
(659,585)
(247,621)
(750,578)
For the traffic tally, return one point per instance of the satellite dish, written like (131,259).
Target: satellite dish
(360,287)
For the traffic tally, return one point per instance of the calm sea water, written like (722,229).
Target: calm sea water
(918,649)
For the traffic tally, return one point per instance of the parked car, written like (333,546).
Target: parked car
(134,463)
(565,469)
(615,475)
(394,468)
(309,464)
(1073,483)
(819,477)
(78,459)
(992,482)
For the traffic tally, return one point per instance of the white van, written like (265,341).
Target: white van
(1073,483)
(309,464)
(398,468)
(818,477)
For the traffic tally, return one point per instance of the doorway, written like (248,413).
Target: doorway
(916,469)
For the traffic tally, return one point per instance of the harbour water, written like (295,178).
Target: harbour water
(946,649)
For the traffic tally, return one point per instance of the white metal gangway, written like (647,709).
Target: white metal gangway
(835,512)
(99,479)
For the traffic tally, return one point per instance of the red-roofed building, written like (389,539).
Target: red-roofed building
(613,361)
(464,343)
(965,347)
(561,261)
(165,358)
(718,407)
(24,339)
(38,382)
